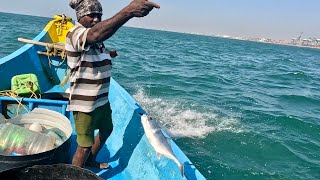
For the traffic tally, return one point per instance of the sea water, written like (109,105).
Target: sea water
(238,109)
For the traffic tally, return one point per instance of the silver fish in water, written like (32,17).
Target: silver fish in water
(159,142)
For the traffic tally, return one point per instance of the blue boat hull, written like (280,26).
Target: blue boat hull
(127,150)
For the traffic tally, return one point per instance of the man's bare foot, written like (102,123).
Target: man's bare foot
(97,165)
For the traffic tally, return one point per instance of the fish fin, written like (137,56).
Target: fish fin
(181,167)
(168,140)
(158,155)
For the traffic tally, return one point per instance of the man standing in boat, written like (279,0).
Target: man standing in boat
(90,74)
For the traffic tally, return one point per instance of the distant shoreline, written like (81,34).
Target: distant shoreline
(284,44)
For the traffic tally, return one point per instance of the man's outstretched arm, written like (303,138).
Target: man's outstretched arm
(105,29)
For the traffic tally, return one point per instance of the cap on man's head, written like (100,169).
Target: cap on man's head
(85,7)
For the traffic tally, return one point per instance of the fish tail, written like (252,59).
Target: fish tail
(181,167)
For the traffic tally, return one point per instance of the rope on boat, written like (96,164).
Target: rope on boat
(14,95)
(53,51)
(61,21)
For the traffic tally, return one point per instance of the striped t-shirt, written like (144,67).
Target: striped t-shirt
(90,67)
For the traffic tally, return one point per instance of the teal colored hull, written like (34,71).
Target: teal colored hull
(127,150)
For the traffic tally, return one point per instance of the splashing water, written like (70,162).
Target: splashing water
(179,121)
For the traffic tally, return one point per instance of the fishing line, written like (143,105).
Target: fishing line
(153,51)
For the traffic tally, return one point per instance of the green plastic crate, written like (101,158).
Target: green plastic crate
(25,84)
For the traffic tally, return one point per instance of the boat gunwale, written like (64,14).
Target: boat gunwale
(23,49)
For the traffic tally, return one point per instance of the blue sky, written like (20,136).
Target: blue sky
(277,19)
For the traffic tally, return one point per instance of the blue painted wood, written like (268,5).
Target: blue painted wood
(30,104)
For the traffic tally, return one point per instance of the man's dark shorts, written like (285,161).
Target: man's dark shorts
(86,123)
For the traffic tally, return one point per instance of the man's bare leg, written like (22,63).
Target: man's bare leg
(81,156)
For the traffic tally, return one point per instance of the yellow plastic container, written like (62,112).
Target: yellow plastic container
(25,84)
